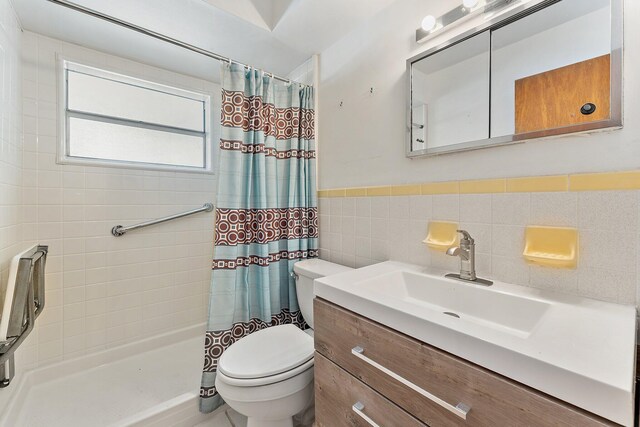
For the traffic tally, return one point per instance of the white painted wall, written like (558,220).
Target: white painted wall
(304,73)
(105,291)
(363,142)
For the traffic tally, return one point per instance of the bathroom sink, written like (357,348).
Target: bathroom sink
(460,300)
(576,349)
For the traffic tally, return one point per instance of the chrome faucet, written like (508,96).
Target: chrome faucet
(467,253)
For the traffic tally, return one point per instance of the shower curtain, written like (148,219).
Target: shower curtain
(266,211)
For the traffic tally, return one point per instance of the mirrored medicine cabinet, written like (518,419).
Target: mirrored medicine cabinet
(549,69)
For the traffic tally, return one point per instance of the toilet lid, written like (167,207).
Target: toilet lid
(268,352)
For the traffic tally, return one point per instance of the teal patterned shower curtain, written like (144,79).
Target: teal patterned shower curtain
(266,211)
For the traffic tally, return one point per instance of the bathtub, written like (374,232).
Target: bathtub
(154,382)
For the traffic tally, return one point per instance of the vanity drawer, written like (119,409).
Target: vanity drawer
(429,383)
(337,392)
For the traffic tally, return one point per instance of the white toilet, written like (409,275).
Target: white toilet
(268,375)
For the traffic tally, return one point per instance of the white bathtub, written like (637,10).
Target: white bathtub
(154,382)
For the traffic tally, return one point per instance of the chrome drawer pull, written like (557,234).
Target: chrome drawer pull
(461,410)
(358,407)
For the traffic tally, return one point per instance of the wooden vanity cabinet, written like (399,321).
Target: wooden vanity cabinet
(337,392)
(396,380)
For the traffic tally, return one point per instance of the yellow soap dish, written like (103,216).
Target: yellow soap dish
(441,235)
(551,246)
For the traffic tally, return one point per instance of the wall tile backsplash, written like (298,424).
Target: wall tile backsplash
(104,291)
(11,155)
(393,227)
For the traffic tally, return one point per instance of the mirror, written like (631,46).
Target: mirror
(450,103)
(552,71)
(548,65)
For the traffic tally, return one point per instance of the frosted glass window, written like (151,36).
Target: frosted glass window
(107,97)
(114,119)
(109,141)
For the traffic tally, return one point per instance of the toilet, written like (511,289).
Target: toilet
(268,375)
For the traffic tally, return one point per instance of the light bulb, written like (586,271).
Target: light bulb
(470,4)
(428,23)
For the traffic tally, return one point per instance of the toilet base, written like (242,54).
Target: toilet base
(271,405)
(256,422)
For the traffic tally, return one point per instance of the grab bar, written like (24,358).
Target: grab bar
(28,303)
(119,230)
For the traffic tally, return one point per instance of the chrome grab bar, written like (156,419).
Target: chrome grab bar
(119,230)
(27,305)
(461,410)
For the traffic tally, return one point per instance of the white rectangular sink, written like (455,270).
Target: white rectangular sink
(501,311)
(576,349)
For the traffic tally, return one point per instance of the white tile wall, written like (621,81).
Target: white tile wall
(11,157)
(10,138)
(105,291)
(393,228)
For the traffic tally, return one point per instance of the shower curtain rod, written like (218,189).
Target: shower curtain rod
(156,35)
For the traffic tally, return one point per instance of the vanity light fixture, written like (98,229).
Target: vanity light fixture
(428,23)
(468,8)
(470,4)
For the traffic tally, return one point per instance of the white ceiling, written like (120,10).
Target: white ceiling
(274,35)
(262,13)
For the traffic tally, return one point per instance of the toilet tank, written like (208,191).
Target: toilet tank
(307,271)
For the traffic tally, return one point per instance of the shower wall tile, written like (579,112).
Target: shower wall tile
(392,228)
(12,176)
(605,210)
(349,206)
(380,207)
(475,208)
(399,209)
(511,208)
(363,207)
(420,207)
(446,207)
(554,209)
(106,291)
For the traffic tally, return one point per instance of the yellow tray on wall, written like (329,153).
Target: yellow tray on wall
(441,235)
(551,246)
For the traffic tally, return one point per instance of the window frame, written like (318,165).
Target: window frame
(64,114)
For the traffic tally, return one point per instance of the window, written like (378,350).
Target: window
(115,120)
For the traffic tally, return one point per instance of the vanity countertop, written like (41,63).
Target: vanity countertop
(576,349)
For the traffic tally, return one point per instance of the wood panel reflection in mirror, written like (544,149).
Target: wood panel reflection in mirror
(556,98)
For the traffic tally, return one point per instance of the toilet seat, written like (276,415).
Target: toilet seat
(268,356)
(265,381)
